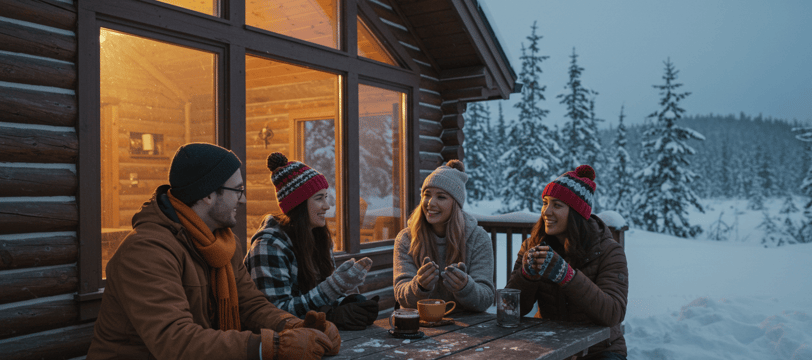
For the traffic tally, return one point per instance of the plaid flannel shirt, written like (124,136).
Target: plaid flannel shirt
(272,264)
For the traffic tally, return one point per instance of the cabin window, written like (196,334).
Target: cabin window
(155,96)
(370,47)
(296,111)
(382,162)
(208,7)
(271,82)
(316,21)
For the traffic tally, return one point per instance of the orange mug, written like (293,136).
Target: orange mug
(433,310)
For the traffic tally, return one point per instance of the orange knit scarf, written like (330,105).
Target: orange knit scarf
(217,249)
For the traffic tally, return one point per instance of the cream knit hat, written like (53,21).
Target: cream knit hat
(451,178)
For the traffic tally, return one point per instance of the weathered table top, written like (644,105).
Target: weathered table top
(475,336)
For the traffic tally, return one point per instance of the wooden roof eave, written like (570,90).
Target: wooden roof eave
(487,49)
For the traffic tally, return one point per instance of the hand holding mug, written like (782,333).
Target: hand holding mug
(531,263)
(544,262)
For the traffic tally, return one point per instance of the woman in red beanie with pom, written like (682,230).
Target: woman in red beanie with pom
(572,266)
(291,255)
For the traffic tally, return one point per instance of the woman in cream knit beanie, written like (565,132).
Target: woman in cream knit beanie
(443,253)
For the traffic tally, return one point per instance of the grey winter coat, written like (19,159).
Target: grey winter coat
(477,295)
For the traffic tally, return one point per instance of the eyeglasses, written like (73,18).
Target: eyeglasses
(241,191)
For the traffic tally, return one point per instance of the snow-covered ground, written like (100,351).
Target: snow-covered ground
(703,299)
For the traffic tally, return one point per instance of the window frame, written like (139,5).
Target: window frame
(232,40)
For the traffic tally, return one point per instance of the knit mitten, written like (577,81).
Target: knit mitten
(556,268)
(528,262)
(348,275)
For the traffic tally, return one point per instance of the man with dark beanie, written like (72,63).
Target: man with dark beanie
(177,288)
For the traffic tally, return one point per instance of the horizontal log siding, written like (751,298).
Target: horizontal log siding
(38,272)
(30,181)
(62,343)
(53,13)
(18,217)
(27,284)
(38,146)
(21,69)
(19,38)
(37,107)
(44,250)
(430,128)
(29,318)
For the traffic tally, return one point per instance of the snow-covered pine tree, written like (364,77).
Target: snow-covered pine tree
(595,155)
(773,236)
(665,178)
(758,187)
(755,199)
(500,128)
(764,173)
(788,207)
(530,161)
(579,140)
(620,174)
(805,231)
(479,155)
(790,231)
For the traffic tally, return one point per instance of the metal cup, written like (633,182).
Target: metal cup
(508,310)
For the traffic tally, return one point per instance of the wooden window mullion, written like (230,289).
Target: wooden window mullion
(352,164)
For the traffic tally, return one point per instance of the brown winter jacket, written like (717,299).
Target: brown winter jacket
(156,303)
(597,294)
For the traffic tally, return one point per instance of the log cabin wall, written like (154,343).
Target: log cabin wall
(38,182)
(39,252)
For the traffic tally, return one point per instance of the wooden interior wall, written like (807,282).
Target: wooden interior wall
(38,182)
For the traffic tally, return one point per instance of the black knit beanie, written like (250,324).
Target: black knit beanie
(198,169)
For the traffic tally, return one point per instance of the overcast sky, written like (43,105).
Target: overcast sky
(733,56)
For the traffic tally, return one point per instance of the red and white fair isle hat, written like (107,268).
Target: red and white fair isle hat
(575,188)
(295,182)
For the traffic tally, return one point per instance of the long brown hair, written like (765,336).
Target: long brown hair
(312,248)
(579,236)
(423,238)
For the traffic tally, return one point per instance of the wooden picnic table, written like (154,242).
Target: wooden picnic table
(475,336)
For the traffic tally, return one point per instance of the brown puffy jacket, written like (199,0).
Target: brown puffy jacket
(156,304)
(597,294)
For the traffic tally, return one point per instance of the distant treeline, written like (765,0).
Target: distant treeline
(740,154)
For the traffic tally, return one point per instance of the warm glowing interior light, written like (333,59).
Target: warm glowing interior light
(316,21)
(370,47)
(155,96)
(209,7)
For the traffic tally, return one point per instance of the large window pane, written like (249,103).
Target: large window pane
(369,46)
(316,21)
(208,7)
(382,158)
(296,111)
(155,97)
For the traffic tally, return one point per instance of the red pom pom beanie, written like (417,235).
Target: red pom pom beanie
(575,188)
(295,182)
